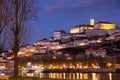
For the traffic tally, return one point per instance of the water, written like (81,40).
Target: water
(78,76)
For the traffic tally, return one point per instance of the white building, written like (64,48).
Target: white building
(66,37)
(79,36)
(27,50)
(96,52)
(54,45)
(104,26)
(80,28)
(112,31)
(96,33)
(41,49)
(58,34)
(43,42)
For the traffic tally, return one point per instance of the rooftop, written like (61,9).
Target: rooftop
(86,25)
(104,22)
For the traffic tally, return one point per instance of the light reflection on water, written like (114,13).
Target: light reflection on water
(110,76)
(79,76)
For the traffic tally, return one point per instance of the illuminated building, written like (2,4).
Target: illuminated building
(80,37)
(57,34)
(80,28)
(27,50)
(104,25)
(115,36)
(96,33)
(66,37)
(43,42)
(96,52)
(113,31)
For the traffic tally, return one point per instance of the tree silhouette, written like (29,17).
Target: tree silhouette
(18,12)
(2,26)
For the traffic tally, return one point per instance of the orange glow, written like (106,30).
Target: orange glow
(75,30)
(53,47)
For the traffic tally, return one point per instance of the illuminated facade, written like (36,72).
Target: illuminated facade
(57,34)
(96,33)
(96,52)
(27,50)
(80,28)
(104,25)
(92,21)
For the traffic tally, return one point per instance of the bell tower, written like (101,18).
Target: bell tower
(92,22)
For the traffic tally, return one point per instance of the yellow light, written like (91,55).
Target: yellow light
(59,47)
(54,57)
(92,22)
(19,53)
(109,64)
(69,58)
(75,30)
(32,50)
(64,65)
(110,76)
(28,63)
(45,47)
(107,26)
(85,66)
(82,44)
(98,41)
(111,37)
(51,65)
(53,47)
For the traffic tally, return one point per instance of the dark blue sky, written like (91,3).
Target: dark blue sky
(63,14)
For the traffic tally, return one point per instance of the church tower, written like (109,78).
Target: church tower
(92,22)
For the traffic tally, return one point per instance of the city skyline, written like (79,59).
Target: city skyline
(59,39)
(64,14)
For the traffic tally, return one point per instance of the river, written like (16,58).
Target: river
(78,76)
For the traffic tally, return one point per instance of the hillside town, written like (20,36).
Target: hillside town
(94,45)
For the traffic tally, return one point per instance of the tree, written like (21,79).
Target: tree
(2,26)
(18,13)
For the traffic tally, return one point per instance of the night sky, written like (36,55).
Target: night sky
(63,14)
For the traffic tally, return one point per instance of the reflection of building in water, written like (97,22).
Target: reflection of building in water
(79,76)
